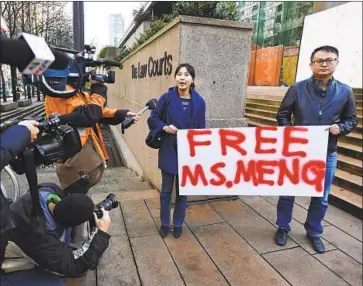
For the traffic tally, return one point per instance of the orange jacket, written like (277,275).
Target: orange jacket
(85,112)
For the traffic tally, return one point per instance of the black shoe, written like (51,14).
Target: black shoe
(317,244)
(281,237)
(177,231)
(164,230)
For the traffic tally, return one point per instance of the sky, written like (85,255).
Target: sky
(96,18)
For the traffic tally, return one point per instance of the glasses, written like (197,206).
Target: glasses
(327,61)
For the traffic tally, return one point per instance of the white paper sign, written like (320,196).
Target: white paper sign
(253,161)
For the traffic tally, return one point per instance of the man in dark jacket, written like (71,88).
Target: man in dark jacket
(46,241)
(319,100)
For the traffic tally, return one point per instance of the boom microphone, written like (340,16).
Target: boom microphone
(151,104)
(19,54)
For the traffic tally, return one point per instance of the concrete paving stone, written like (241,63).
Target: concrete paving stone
(139,195)
(298,234)
(117,266)
(344,242)
(344,221)
(154,207)
(155,265)
(261,206)
(298,212)
(299,268)
(89,280)
(193,262)
(303,202)
(239,262)
(137,219)
(197,215)
(344,266)
(258,232)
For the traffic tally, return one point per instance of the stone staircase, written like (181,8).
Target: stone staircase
(346,191)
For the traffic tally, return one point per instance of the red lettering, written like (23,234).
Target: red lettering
(193,144)
(247,173)
(318,169)
(289,139)
(231,138)
(260,140)
(215,170)
(284,172)
(262,170)
(194,178)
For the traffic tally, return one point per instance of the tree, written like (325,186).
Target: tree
(44,19)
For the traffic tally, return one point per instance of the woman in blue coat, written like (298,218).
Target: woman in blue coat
(185,110)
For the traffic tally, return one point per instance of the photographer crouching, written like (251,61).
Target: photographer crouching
(13,141)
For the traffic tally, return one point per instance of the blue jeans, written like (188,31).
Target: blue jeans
(36,276)
(318,206)
(165,201)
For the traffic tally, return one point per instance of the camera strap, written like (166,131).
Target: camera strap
(31,176)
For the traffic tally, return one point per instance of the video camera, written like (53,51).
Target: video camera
(80,68)
(55,142)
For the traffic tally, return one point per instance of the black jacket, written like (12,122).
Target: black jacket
(46,249)
(13,141)
(309,105)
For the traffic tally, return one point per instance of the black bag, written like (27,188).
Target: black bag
(155,142)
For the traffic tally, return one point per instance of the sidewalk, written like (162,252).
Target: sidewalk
(225,243)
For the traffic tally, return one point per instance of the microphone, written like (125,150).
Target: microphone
(18,53)
(151,104)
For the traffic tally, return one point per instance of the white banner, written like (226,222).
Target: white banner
(269,161)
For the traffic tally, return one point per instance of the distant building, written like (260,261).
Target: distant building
(116,28)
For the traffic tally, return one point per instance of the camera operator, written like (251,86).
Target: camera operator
(47,244)
(85,112)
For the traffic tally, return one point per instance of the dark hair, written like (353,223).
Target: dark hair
(190,70)
(329,49)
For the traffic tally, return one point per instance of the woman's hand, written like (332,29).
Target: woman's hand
(133,115)
(171,129)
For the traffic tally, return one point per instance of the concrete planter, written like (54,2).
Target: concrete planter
(6,106)
(25,102)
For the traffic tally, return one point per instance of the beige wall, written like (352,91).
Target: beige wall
(128,93)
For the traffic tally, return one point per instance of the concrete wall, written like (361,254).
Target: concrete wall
(219,52)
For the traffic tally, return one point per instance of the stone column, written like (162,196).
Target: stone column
(219,50)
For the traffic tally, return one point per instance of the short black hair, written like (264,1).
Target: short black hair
(190,70)
(329,49)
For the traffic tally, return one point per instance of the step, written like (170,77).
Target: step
(21,112)
(129,184)
(261,106)
(255,120)
(350,150)
(261,112)
(350,165)
(352,138)
(348,181)
(359,111)
(264,101)
(346,200)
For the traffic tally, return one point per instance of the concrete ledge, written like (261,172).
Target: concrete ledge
(8,106)
(25,102)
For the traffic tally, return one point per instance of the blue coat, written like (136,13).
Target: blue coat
(192,118)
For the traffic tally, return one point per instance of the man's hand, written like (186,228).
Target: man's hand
(133,114)
(171,129)
(32,127)
(334,129)
(104,222)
